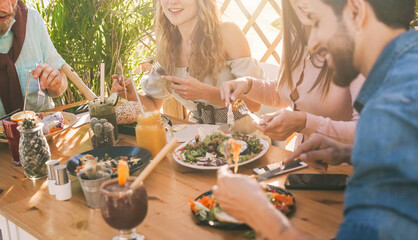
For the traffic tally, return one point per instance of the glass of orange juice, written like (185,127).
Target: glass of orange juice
(150,132)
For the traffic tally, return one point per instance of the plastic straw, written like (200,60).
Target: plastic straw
(102,81)
(160,156)
(141,108)
(27,90)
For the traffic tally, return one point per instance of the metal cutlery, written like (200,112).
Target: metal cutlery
(9,114)
(278,170)
(119,71)
(243,109)
(41,94)
(157,66)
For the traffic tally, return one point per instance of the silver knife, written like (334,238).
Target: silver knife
(277,171)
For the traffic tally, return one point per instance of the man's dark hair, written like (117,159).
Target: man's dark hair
(393,13)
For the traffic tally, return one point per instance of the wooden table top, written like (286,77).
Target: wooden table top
(28,204)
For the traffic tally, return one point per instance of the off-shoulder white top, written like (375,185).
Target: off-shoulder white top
(154,86)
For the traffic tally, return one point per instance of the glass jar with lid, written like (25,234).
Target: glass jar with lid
(151,132)
(33,151)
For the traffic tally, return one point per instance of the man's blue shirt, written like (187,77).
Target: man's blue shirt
(385,154)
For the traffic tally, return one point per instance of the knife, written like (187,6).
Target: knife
(277,171)
(9,114)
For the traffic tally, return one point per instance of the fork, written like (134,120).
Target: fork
(227,152)
(243,109)
(157,66)
(41,94)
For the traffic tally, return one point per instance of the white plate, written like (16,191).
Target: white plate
(177,156)
(191,130)
(69,118)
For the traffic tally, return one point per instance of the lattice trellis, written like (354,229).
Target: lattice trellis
(271,46)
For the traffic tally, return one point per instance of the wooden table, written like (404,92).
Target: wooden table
(29,205)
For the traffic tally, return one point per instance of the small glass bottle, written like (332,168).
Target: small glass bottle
(33,151)
(150,132)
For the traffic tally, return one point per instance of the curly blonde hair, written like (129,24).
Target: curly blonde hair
(206,58)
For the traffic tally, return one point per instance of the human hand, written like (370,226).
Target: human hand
(319,151)
(120,89)
(281,124)
(49,77)
(231,90)
(237,193)
(188,88)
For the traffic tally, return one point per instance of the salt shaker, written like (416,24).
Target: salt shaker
(50,164)
(62,184)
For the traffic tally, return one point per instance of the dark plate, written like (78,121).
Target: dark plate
(114,152)
(233,226)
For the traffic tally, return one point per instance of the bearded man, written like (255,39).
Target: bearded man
(26,51)
(381,198)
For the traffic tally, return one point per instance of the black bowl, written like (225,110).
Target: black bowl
(113,152)
(234,226)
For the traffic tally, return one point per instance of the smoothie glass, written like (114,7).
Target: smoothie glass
(106,111)
(150,132)
(123,208)
(13,136)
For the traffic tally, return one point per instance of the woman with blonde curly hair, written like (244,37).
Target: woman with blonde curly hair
(197,52)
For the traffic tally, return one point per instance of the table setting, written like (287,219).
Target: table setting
(168,169)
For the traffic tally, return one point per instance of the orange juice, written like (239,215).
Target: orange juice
(150,132)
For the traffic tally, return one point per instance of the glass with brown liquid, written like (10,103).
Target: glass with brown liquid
(123,208)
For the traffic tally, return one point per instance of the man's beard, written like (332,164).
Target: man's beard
(4,26)
(341,48)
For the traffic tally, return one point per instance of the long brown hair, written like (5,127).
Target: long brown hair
(206,58)
(294,48)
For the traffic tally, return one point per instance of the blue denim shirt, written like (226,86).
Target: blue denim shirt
(385,154)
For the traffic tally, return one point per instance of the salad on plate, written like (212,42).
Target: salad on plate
(207,151)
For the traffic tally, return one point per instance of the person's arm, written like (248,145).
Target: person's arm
(150,103)
(48,71)
(319,151)
(343,131)
(266,92)
(237,193)
(58,92)
(236,46)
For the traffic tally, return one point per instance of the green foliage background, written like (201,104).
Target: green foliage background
(87,32)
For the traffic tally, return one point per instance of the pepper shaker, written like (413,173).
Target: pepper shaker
(62,184)
(50,164)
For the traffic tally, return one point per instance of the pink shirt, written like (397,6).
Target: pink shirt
(332,116)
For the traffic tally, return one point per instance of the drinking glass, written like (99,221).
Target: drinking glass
(13,136)
(106,111)
(123,208)
(151,132)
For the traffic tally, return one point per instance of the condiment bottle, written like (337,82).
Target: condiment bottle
(50,164)
(63,184)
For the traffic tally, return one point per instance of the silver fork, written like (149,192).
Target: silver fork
(157,66)
(41,94)
(227,152)
(243,109)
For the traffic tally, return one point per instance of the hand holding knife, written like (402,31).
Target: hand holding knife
(277,171)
